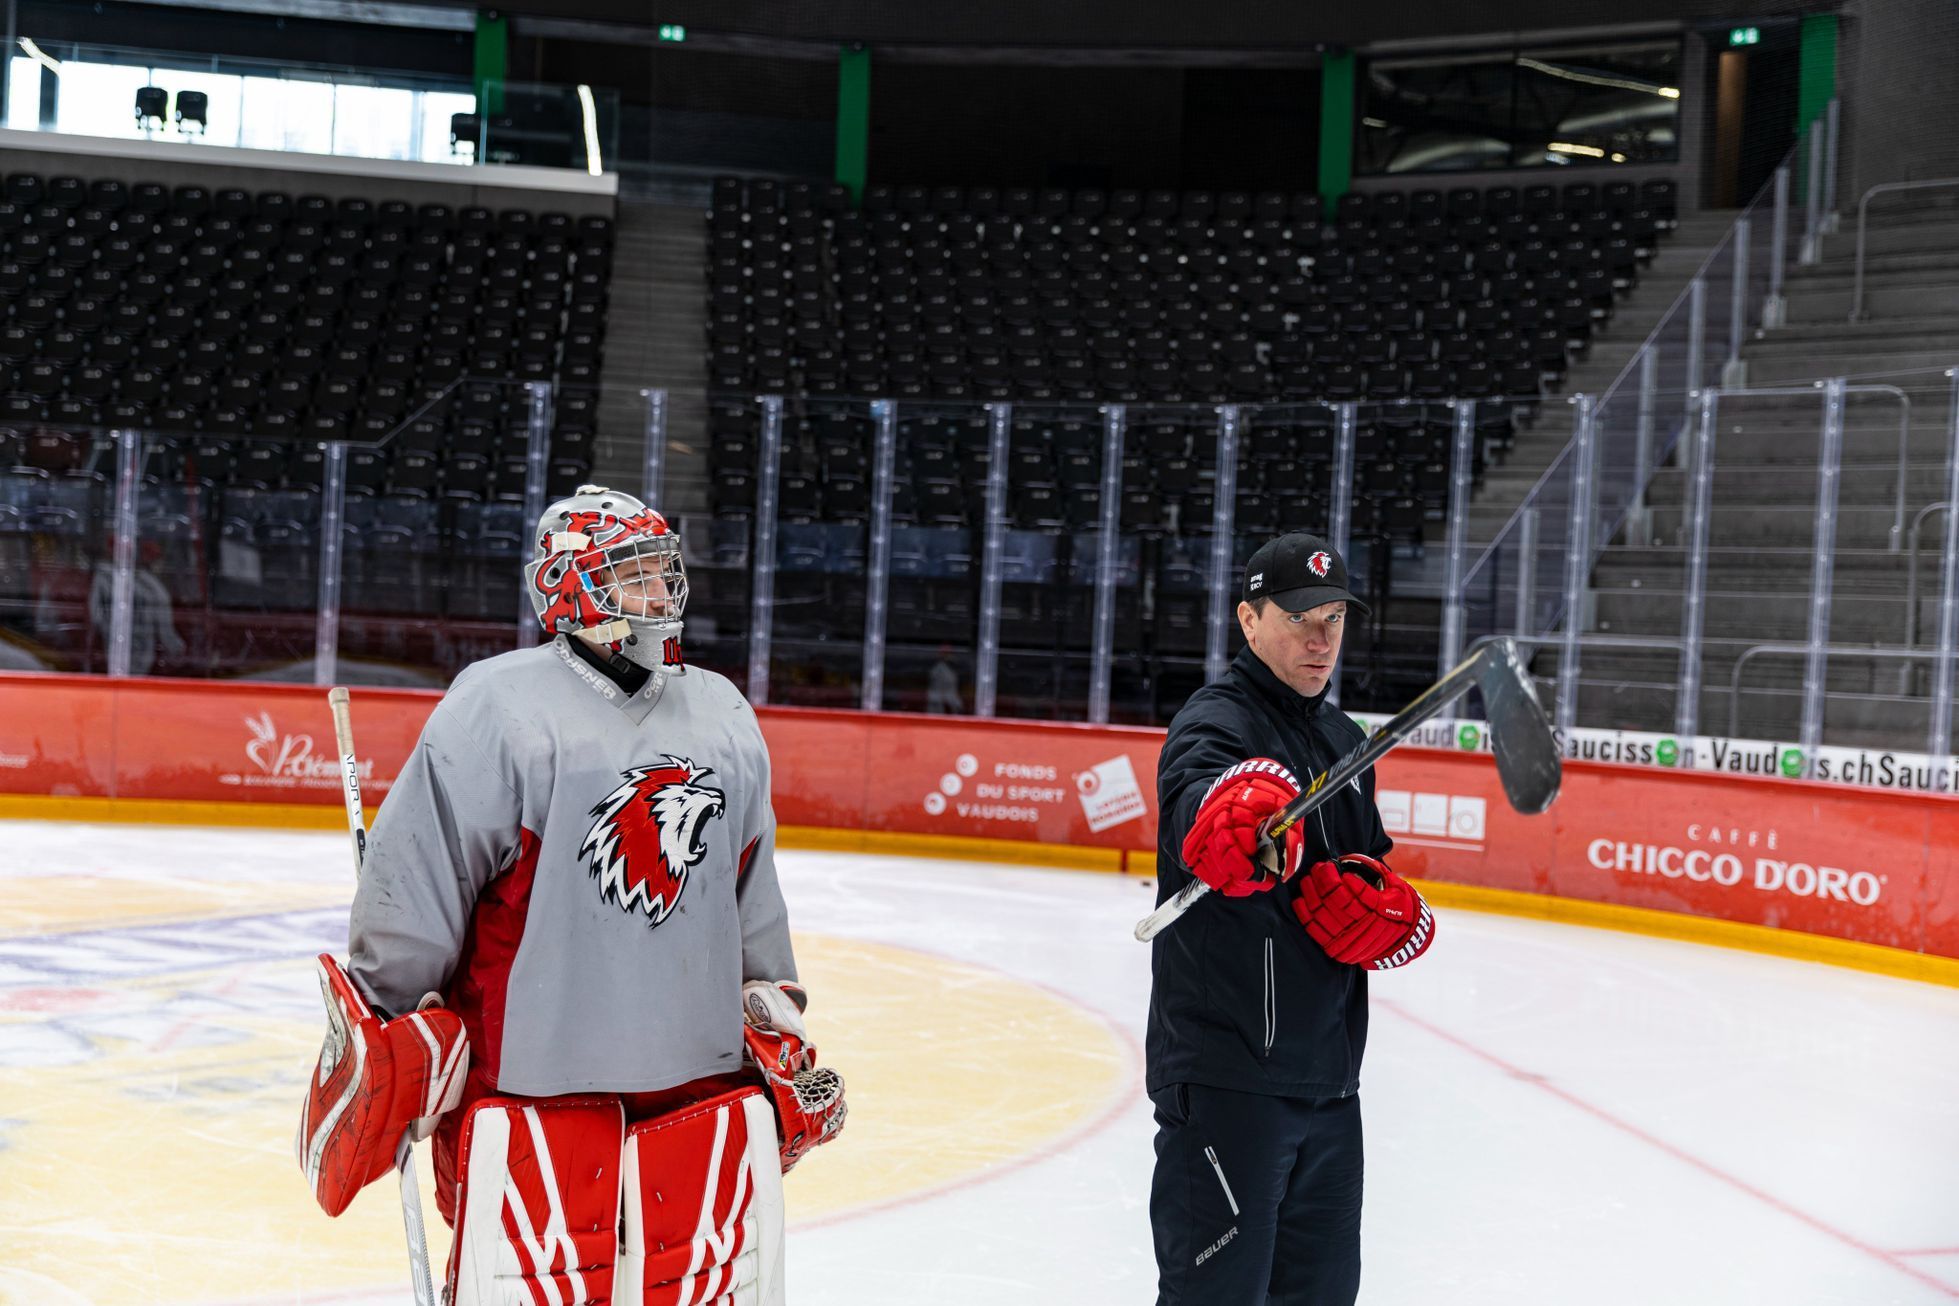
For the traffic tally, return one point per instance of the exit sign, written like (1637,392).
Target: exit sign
(1744,36)
(672,32)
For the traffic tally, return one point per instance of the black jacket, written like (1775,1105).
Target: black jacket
(1242,998)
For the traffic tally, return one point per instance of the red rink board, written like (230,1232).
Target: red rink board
(1874,866)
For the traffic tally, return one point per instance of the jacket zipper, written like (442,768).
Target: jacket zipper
(1211,1155)
(1271,1000)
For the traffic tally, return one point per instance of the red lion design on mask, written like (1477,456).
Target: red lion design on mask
(649,832)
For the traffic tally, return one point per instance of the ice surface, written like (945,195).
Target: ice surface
(1554,1114)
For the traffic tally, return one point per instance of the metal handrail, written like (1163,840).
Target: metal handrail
(1786,648)
(1863,206)
(1684,298)
(1904,449)
(1911,570)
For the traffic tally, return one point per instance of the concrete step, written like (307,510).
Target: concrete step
(1791,527)
(1911,295)
(1868,702)
(1843,271)
(1744,484)
(1923,233)
(1874,332)
(1664,564)
(1918,368)
(1742,615)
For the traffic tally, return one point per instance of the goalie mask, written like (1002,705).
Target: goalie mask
(606,567)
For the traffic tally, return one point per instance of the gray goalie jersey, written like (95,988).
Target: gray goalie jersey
(586,876)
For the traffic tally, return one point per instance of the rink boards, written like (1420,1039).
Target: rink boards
(1804,858)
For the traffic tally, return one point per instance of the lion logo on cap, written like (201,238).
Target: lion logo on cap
(1320,562)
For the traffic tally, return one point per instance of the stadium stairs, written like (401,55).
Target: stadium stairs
(658,322)
(1762,530)
(1413,621)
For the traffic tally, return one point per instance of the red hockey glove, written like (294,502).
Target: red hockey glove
(809,1105)
(1363,913)
(1222,846)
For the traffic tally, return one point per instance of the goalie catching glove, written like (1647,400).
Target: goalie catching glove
(808,1099)
(1363,914)
(376,1080)
(1224,848)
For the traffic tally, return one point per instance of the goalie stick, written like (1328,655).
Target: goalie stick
(411,1197)
(1520,736)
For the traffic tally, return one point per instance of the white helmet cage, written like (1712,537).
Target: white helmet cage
(606,565)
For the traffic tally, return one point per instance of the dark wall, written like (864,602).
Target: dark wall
(1898,73)
(1253,129)
(934,124)
(937,124)
(1239,24)
(249,36)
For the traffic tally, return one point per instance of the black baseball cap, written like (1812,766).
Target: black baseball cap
(1297,572)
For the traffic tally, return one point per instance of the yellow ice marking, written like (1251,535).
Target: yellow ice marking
(146,1127)
(43,904)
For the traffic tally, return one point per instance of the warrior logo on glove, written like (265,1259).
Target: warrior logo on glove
(649,833)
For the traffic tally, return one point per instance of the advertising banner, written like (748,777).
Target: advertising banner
(1855,768)
(1712,829)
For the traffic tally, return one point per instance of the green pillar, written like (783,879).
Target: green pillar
(1816,78)
(492,60)
(1336,127)
(853,118)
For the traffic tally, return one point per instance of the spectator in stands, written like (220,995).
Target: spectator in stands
(942,685)
(152,622)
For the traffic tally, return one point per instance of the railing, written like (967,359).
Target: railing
(1904,450)
(1863,213)
(1081,551)
(1934,744)
(138,558)
(1911,568)
(1634,428)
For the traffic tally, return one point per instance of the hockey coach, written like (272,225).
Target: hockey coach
(1258,1002)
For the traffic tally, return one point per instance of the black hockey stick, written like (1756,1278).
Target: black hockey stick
(411,1197)
(1520,736)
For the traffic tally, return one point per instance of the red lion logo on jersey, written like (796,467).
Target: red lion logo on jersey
(649,833)
(1319,562)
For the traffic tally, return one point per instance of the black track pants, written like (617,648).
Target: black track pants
(1256,1199)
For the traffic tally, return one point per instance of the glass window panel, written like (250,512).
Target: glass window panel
(283,113)
(372,122)
(24,94)
(98,99)
(1525,108)
(437,107)
(1597,106)
(222,95)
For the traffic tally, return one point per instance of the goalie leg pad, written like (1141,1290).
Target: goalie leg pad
(538,1214)
(702,1224)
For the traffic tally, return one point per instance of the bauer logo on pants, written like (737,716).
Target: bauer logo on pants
(649,832)
(1110,794)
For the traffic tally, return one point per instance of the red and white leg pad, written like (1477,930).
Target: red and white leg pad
(538,1217)
(702,1223)
(563,1205)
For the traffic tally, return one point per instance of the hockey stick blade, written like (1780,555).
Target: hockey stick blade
(1526,751)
